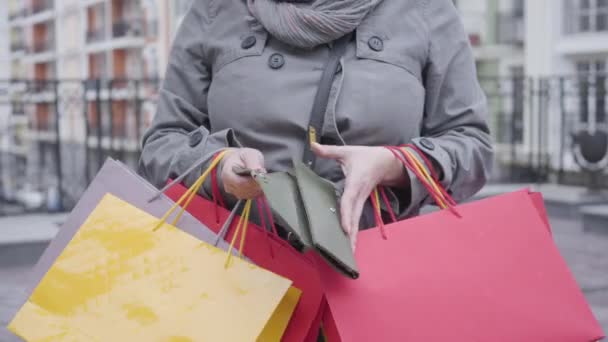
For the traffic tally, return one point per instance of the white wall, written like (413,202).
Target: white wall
(70,42)
(474,17)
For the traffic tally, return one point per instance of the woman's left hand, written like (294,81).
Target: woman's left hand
(364,168)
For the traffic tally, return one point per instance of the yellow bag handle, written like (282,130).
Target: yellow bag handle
(189,195)
(244,222)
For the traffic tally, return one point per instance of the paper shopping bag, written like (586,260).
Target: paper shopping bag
(272,253)
(117,179)
(489,275)
(123,277)
(481,271)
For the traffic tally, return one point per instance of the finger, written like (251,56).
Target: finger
(346,204)
(357,212)
(353,240)
(328,151)
(252,159)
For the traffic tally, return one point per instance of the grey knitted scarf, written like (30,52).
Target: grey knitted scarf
(308,25)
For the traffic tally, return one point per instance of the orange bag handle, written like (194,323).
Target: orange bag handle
(435,189)
(421,170)
(375,198)
(434,176)
(399,155)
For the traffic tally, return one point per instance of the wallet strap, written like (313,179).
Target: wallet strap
(319,107)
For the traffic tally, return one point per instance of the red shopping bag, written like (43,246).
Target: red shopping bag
(481,271)
(539,203)
(272,253)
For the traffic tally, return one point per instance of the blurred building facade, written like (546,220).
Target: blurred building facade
(496,33)
(542,64)
(568,38)
(86,69)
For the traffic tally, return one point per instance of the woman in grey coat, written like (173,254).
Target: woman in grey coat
(243,75)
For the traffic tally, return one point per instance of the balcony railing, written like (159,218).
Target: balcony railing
(41,6)
(510,28)
(17,14)
(37,87)
(42,46)
(95,35)
(17,46)
(127,28)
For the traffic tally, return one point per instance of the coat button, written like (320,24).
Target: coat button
(375,43)
(426,143)
(248,42)
(195,138)
(276,61)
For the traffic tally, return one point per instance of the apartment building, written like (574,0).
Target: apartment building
(5,125)
(171,13)
(110,43)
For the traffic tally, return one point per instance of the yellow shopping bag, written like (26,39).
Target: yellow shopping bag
(125,277)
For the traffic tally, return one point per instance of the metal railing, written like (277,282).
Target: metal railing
(42,46)
(96,35)
(41,6)
(17,46)
(125,28)
(62,130)
(534,120)
(17,14)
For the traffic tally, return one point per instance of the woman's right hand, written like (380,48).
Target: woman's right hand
(241,187)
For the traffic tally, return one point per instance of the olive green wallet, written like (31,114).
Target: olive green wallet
(306,205)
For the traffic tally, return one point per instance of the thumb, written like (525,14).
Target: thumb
(327,151)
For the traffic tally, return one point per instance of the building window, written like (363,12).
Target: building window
(586,15)
(592,91)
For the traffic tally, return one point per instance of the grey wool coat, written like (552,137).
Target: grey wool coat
(408,76)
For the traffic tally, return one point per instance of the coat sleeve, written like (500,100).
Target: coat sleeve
(455,133)
(180,134)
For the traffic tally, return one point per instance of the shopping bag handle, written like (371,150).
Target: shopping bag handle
(433,176)
(180,178)
(261,204)
(224,230)
(432,185)
(375,198)
(244,223)
(187,197)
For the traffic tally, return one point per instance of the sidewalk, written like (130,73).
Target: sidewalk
(29,228)
(24,237)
